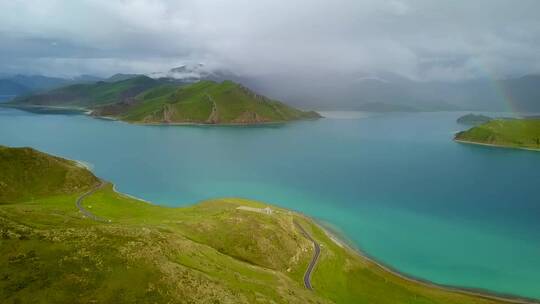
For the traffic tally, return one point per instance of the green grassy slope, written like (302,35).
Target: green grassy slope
(90,95)
(211,252)
(515,133)
(145,100)
(473,119)
(209,102)
(26,173)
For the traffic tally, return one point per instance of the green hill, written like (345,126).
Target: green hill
(473,119)
(89,95)
(513,133)
(145,100)
(218,251)
(26,174)
(204,102)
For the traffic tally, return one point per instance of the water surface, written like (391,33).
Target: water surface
(395,184)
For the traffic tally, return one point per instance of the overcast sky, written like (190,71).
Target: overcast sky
(421,39)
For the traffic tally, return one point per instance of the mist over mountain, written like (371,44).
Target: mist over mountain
(382,92)
(377,92)
(361,54)
(387,92)
(16,85)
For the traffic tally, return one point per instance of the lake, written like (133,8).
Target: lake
(395,185)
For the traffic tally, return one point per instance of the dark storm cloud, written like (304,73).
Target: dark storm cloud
(416,38)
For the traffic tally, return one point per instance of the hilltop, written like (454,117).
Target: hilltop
(512,133)
(217,251)
(473,119)
(88,95)
(26,174)
(206,102)
(16,85)
(142,99)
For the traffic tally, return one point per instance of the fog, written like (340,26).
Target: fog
(422,40)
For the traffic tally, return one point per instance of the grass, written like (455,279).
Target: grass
(194,103)
(211,252)
(514,133)
(89,95)
(145,100)
(26,174)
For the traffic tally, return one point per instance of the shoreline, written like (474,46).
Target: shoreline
(88,112)
(22,107)
(132,196)
(342,240)
(461,141)
(86,165)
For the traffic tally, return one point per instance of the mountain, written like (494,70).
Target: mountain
(512,133)
(85,78)
(473,119)
(187,72)
(380,107)
(9,88)
(352,91)
(120,77)
(142,99)
(16,85)
(26,174)
(346,91)
(74,239)
(205,102)
(90,94)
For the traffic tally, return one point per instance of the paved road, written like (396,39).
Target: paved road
(317,247)
(84,211)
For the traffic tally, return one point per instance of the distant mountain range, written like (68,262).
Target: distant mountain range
(385,92)
(394,93)
(15,85)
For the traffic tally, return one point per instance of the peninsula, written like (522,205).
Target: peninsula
(144,100)
(508,133)
(473,119)
(67,236)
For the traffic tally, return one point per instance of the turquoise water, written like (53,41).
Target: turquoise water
(395,185)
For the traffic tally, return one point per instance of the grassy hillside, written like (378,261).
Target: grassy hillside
(141,99)
(90,95)
(218,251)
(515,133)
(26,174)
(473,119)
(204,102)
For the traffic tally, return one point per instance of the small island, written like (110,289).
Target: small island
(144,100)
(473,119)
(67,236)
(509,133)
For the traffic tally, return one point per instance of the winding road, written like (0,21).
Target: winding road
(316,253)
(84,211)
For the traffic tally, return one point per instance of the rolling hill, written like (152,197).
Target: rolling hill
(26,173)
(18,85)
(511,133)
(89,94)
(218,251)
(473,119)
(204,102)
(142,99)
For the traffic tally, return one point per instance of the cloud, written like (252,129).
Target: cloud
(420,39)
